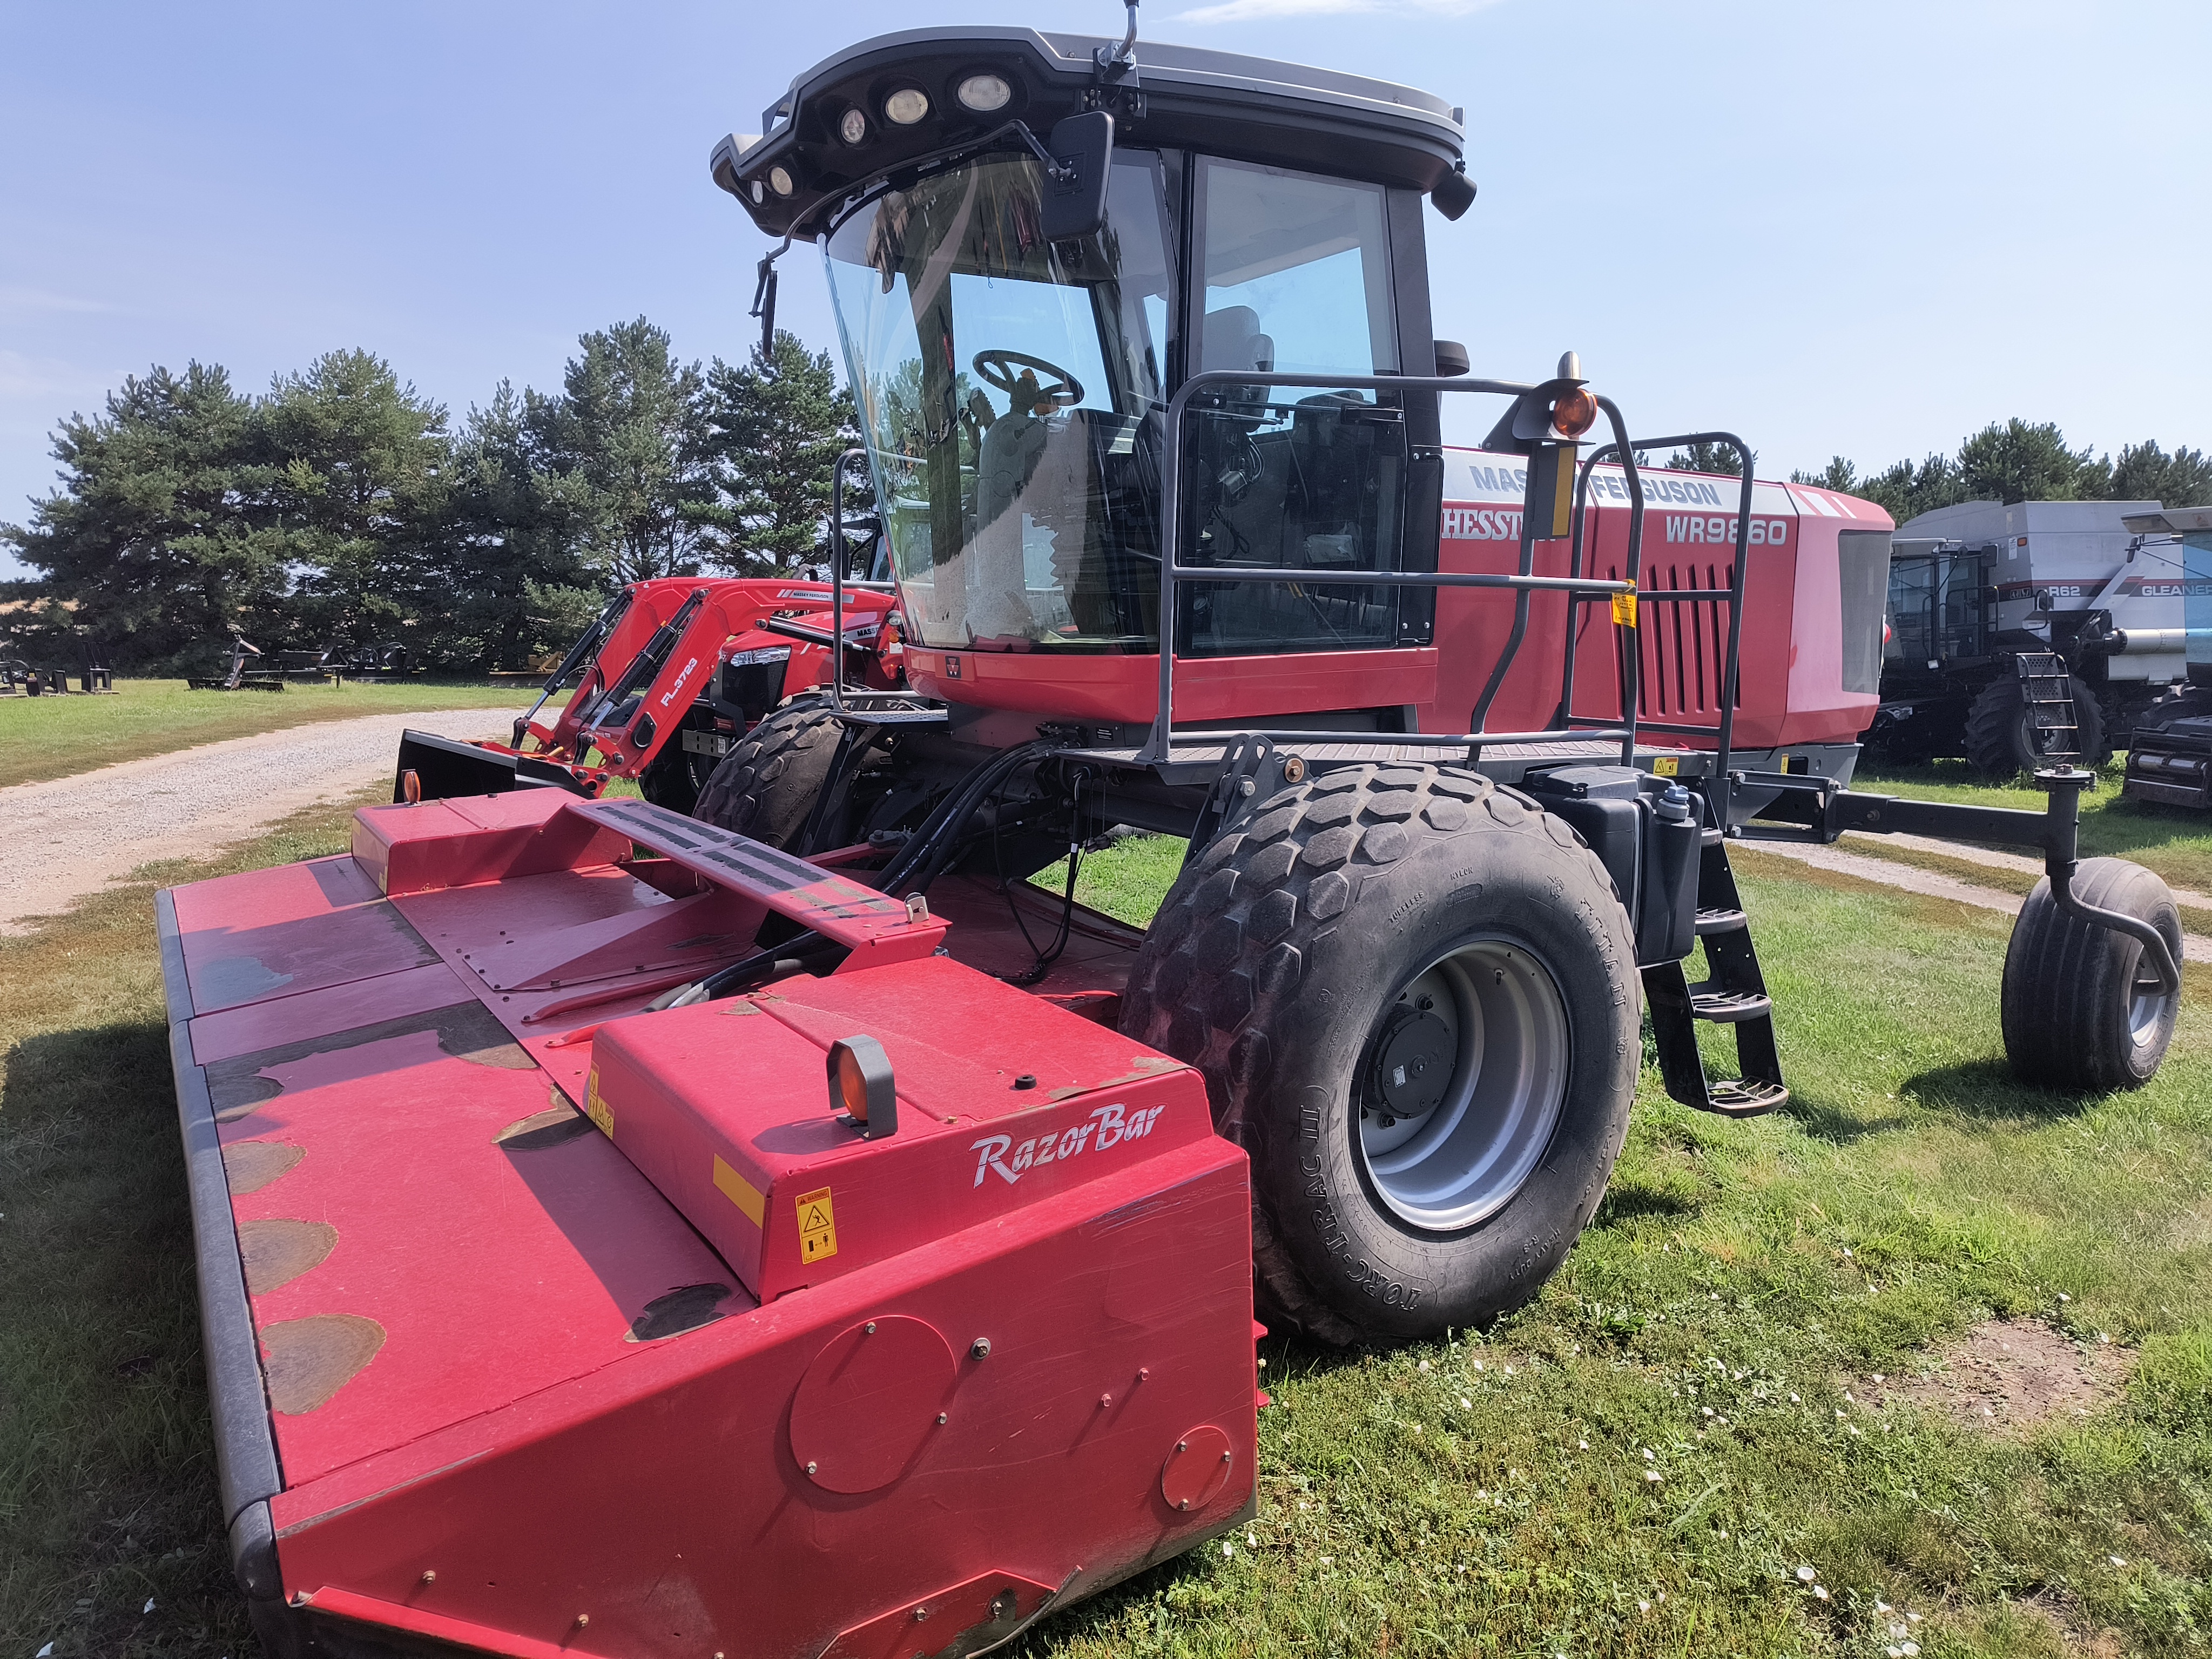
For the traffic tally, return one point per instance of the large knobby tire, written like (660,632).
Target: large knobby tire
(2001,743)
(1419,943)
(767,785)
(2081,1011)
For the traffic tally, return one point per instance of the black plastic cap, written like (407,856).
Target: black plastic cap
(1453,194)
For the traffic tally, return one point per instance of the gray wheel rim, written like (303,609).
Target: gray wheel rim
(2149,1008)
(1462,1160)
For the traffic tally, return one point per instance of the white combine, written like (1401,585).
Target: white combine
(1974,586)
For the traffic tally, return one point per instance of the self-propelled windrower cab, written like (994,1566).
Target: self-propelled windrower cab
(788,1230)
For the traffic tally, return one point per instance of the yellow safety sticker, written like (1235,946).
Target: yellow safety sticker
(740,1191)
(1624,610)
(1666,766)
(596,1108)
(818,1227)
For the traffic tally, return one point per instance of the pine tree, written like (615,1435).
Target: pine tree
(630,425)
(153,537)
(513,546)
(1707,457)
(2015,461)
(2145,472)
(357,465)
(776,426)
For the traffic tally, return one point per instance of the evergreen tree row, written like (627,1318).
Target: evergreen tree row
(2018,460)
(342,508)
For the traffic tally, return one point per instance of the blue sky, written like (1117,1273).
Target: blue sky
(1865,228)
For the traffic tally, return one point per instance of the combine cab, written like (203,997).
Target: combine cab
(2170,756)
(789,1230)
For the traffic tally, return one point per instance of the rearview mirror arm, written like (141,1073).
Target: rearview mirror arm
(764,299)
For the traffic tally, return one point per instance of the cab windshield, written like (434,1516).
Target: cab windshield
(1012,394)
(1009,390)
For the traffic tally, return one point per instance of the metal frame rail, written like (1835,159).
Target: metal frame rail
(1163,738)
(890,708)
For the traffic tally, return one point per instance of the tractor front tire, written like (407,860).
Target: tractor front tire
(766,786)
(2000,742)
(2082,1012)
(1413,996)
(673,779)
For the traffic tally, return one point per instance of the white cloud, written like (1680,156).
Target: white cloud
(23,376)
(1255,11)
(29,301)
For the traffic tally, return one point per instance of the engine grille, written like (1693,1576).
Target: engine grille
(1681,647)
(754,687)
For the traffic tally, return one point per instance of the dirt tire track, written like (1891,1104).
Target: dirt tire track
(63,839)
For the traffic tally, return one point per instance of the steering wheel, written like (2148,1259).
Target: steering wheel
(997,369)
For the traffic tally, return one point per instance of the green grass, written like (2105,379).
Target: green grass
(1433,1500)
(2175,842)
(107,1484)
(45,738)
(1428,1501)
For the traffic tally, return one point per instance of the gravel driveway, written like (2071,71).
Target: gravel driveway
(62,840)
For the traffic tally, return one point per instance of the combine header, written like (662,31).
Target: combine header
(789,1230)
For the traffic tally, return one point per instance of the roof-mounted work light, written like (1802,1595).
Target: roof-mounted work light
(862,1086)
(984,92)
(906,107)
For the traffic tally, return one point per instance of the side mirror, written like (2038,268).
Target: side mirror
(1082,149)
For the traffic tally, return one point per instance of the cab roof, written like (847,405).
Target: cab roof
(1253,109)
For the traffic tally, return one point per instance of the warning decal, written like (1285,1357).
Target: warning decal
(596,1108)
(818,1227)
(1624,610)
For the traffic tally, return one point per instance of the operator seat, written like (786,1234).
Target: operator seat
(1241,480)
(1031,464)
(1230,338)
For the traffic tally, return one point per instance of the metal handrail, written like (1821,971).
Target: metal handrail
(1164,738)
(1731,668)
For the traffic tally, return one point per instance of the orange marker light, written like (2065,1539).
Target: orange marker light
(862,1086)
(1575,413)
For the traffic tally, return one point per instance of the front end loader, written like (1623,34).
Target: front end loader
(790,1229)
(667,678)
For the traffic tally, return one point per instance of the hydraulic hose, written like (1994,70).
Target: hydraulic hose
(917,864)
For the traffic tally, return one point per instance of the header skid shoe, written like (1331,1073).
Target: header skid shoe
(493,1374)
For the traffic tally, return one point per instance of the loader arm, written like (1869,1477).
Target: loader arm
(644,703)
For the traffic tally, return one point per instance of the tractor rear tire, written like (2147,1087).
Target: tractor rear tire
(2080,1012)
(766,786)
(1413,996)
(2000,743)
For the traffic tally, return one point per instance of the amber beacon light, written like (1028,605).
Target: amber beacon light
(1574,412)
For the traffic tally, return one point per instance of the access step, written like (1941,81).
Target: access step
(1718,921)
(1745,1097)
(1728,1007)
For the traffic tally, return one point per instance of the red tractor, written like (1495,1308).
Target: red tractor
(789,1230)
(667,678)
